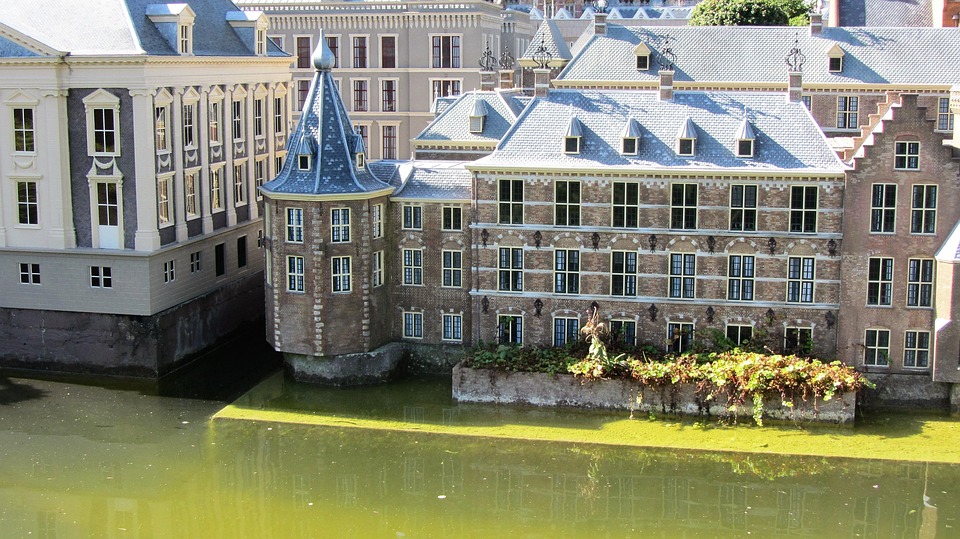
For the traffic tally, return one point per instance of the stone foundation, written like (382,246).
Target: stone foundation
(906,391)
(492,386)
(380,365)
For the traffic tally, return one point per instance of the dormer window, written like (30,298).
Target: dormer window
(251,28)
(261,41)
(835,59)
(745,148)
(629,142)
(477,116)
(685,146)
(476,124)
(186,39)
(687,139)
(361,160)
(303,161)
(175,24)
(629,146)
(571,141)
(745,138)
(643,57)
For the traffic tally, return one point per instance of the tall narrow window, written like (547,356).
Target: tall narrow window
(565,330)
(944,116)
(683,275)
(333,43)
(376,218)
(160,125)
(189,126)
(294,225)
(916,349)
(803,208)
(190,184)
(683,206)
(740,276)
(278,127)
(452,218)
(388,94)
(28,208)
(360,95)
(623,273)
(847,110)
(906,155)
(304,51)
(295,273)
(446,52)
(216,190)
(510,197)
(413,267)
(880,281)
(303,91)
(377,269)
(220,259)
(679,337)
(258,130)
(626,204)
(239,185)
(876,347)
(108,215)
(170,271)
(566,271)
(242,252)
(801,272)
(883,208)
(743,208)
(259,175)
(923,213)
(388,52)
(163,200)
(413,325)
(104,132)
(340,274)
(389,141)
(413,217)
(214,122)
(920,282)
(237,121)
(23,133)
(452,327)
(567,203)
(359,52)
(510,273)
(452,269)
(340,225)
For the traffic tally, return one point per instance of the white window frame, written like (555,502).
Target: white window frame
(916,349)
(412,267)
(240,183)
(24,136)
(923,215)
(880,281)
(386,151)
(101,277)
(848,112)
(412,325)
(236,117)
(195,262)
(216,189)
(384,93)
(165,216)
(161,126)
(452,264)
(30,273)
(452,327)
(97,103)
(340,282)
(566,271)
(295,274)
(510,204)
(191,193)
(360,86)
(356,60)
(301,61)
(28,203)
(169,271)
(340,225)
(259,176)
(455,51)
(945,118)
(294,225)
(215,121)
(439,87)
(189,124)
(920,280)
(876,347)
(259,120)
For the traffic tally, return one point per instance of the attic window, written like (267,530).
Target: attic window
(571,141)
(745,148)
(685,146)
(186,39)
(745,138)
(476,124)
(687,139)
(571,145)
(630,138)
(477,116)
(261,41)
(629,146)
(835,59)
(361,160)
(303,161)
(643,57)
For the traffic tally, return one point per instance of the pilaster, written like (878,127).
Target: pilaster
(203,135)
(176,131)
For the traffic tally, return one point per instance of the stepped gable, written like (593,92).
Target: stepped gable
(787,138)
(324,135)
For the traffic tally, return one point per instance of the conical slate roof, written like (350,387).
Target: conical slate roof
(325,134)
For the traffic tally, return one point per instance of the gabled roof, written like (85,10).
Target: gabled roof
(325,133)
(891,13)
(788,139)
(453,125)
(738,54)
(552,39)
(435,181)
(745,131)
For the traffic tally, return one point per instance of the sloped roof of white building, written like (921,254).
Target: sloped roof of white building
(892,13)
(453,125)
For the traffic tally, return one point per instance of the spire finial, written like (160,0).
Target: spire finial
(795,58)
(323,58)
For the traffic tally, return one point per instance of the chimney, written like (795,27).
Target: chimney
(506,79)
(599,23)
(488,80)
(795,87)
(541,81)
(666,85)
(816,24)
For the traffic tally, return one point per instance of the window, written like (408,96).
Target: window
(446,52)
(388,53)
(261,42)
(259,175)
(452,327)
(835,64)
(683,271)
(377,276)
(412,267)
(295,274)
(510,329)
(413,325)
(920,282)
(163,200)
(239,185)
(216,189)
(624,331)
(685,146)
(388,94)
(340,225)
(628,146)
(944,116)
(452,269)
(101,277)
(160,127)
(743,208)
(303,91)
(803,208)
(906,155)
(108,214)
(623,273)
(679,337)
(242,252)
(340,274)
(571,144)
(237,121)
(29,273)
(626,204)
(876,347)
(278,127)
(195,262)
(303,161)
(389,141)
(883,208)
(376,218)
(186,35)
(445,88)
(745,148)
(360,95)
(23,133)
(923,215)
(304,51)
(359,52)
(847,112)
(567,203)
(510,197)
(566,271)
(258,130)
(452,218)
(683,206)
(807,100)
(798,341)
(880,281)
(364,132)
(739,334)
(916,349)
(28,208)
(510,274)
(104,132)
(169,271)
(294,225)
(333,43)
(476,123)
(643,62)
(190,194)
(413,217)
(214,123)
(565,330)
(189,126)
(220,259)
(740,276)
(801,272)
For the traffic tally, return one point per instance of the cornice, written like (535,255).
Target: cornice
(691,174)
(305,197)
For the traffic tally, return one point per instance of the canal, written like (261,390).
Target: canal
(402,460)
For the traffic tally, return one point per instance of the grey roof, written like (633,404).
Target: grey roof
(787,137)
(885,13)
(9,49)
(324,132)
(552,39)
(439,180)
(756,54)
(121,27)
(453,125)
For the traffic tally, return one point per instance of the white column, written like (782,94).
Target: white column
(228,149)
(271,135)
(203,140)
(147,236)
(53,111)
(251,143)
(176,130)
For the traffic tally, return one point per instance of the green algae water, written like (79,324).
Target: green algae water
(402,460)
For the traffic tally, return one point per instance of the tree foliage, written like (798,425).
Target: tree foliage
(742,13)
